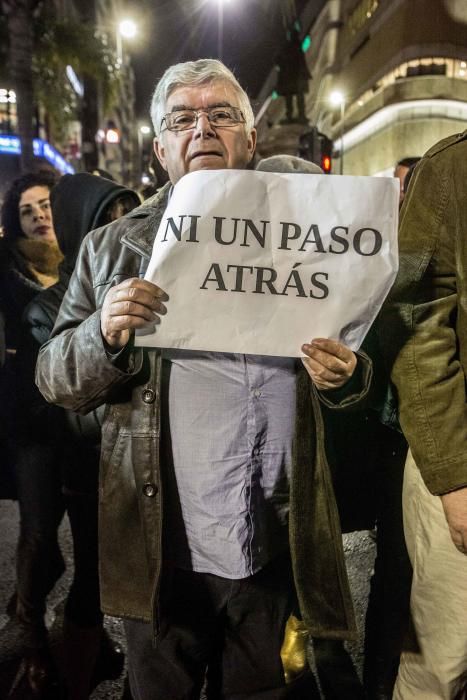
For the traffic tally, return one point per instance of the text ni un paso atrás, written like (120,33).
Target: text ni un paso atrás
(289,236)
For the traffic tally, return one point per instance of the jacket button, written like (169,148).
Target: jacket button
(150,490)
(149,396)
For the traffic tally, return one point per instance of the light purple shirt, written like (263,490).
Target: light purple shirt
(227,447)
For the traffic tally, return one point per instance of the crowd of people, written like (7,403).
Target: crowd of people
(207,492)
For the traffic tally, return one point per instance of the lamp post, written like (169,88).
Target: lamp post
(119,150)
(143,131)
(126,29)
(220,27)
(337,99)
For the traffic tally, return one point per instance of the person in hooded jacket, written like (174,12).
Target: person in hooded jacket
(60,455)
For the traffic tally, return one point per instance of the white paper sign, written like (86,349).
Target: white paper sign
(257,262)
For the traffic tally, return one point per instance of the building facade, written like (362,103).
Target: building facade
(397,70)
(117,132)
(97,125)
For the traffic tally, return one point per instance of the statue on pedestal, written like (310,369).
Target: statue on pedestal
(293,78)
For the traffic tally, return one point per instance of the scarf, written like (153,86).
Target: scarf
(42,259)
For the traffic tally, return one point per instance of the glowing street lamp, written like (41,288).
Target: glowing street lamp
(337,99)
(112,136)
(144,130)
(126,29)
(220,27)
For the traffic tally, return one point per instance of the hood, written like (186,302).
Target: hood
(79,203)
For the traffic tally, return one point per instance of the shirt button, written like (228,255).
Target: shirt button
(150,490)
(149,396)
(257,392)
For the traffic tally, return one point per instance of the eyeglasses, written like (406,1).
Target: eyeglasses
(184,119)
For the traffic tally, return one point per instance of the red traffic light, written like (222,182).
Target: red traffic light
(326,164)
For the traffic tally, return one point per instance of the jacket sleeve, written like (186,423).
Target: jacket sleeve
(355,393)
(73,368)
(418,327)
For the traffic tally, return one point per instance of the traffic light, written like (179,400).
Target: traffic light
(326,154)
(326,164)
(316,147)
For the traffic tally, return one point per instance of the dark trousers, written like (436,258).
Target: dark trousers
(39,559)
(83,601)
(229,632)
(388,613)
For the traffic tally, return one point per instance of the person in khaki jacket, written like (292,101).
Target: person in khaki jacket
(424,328)
(216,502)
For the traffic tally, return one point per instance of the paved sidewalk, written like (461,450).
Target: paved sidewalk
(359,549)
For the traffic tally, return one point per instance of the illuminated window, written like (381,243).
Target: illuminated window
(415,68)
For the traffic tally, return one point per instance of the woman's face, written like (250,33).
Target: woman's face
(35,214)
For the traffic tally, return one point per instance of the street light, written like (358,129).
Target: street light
(220,27)
(143,131)
(126,29)
(337,99)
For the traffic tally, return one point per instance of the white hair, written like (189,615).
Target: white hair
(191,73)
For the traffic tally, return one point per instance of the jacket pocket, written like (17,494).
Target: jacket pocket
(112,458)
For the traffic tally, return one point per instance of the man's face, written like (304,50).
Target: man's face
(204,147)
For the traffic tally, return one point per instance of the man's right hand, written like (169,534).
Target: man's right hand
(134,303)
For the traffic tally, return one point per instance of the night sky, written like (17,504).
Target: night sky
(178,30)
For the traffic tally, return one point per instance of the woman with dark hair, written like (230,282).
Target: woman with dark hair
(29,258)
(29,255)
(62,449)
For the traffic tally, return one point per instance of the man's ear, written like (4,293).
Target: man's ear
(252,143)
(159,150)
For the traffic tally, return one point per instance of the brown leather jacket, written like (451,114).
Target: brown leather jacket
(75,371)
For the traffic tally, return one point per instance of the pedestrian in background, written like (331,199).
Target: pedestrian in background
(58,457)
(29,256)
(401,169)
(29,253)
(424,332)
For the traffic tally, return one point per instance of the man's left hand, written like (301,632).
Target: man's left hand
(455,510)
(330,364)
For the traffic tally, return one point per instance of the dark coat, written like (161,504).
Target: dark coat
(78,205)
(18,285)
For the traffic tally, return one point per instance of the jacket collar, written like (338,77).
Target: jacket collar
(143,222)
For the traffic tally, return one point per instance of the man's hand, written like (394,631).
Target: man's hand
(134,303)
(330,364)
(455,510)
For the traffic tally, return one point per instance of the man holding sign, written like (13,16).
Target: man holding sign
(216,506)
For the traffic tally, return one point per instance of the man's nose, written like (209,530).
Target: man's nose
(203,126)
